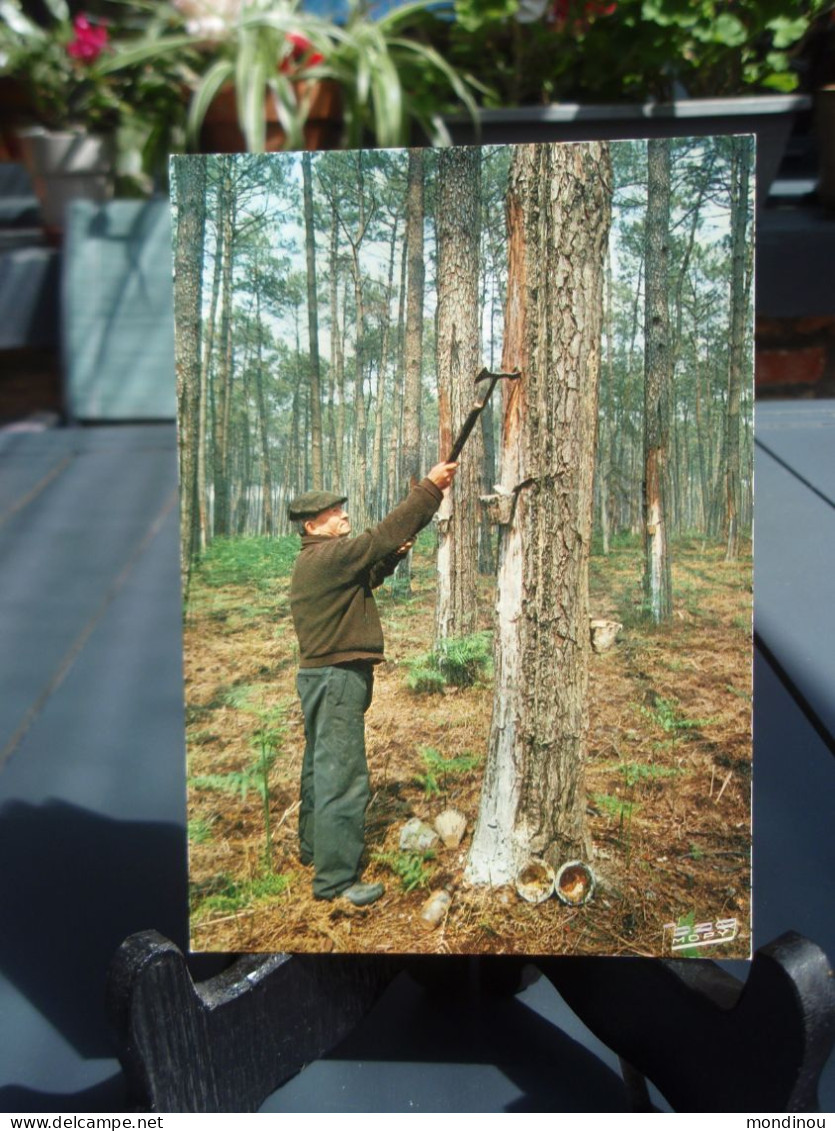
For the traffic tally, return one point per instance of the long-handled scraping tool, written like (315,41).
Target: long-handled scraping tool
(478,406)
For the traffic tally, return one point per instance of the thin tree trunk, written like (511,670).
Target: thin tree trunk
(224,381)
(740,174)
(263,430)
(458,354)
(413,339)
(377,451)
(188,274)
(657,378)
(313,327)
(410,446)
(206,369)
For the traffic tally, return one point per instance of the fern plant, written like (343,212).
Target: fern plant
(438,769)
(460,661)
(409,867)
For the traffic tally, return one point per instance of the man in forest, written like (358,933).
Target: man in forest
(340,641)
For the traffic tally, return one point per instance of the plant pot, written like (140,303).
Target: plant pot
(220,132)
(768,116)
(66,166)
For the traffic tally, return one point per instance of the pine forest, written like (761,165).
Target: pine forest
(568,645)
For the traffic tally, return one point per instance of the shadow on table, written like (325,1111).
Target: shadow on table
(73,885)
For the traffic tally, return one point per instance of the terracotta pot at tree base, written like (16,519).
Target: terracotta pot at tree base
(220,132)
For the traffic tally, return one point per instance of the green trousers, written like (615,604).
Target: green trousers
(334,786)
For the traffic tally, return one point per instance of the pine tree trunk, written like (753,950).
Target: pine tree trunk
(657,378)
(410,440)
(263,433)
(337,367)
(313,327)
(378,450)
(413,340)
(220,451)
(208,347)
(458,355)
(740,177)
(533,796)
(188,274)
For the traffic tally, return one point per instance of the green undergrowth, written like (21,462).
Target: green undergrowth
(224,895)
(409,867)
(460,661)
(640,773)
(266,740)
(440,769)
(669,717)
(247,561)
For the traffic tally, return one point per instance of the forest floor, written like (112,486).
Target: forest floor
(668,776)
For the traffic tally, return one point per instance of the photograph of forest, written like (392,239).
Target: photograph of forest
(559,741)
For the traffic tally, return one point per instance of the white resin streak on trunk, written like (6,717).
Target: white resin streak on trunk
(656,559)
(443,599)
(494,856)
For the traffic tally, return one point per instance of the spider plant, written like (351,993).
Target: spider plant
(274,50)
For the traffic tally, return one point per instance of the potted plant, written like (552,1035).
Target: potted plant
(277,62)
(605,51)
(573,69)
(85,123)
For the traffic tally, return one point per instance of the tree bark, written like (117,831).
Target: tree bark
(223,397)
(188,275)
(657,378)
(533,796)
(378,448)
(313,327)
(410,445)
(337,358)
(413,340)
(458,355)
(740,177)
(263,428)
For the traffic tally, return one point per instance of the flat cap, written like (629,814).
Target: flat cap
(312,503)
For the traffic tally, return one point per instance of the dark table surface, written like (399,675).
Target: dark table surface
(92,782)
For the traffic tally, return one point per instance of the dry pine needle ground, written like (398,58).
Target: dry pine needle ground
(668,776)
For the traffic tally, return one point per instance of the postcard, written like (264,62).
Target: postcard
(466,451)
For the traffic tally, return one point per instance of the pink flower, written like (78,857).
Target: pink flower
(90,40)
(563,10)
(300,43)
(301,54)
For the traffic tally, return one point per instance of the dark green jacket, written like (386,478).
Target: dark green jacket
(334,611)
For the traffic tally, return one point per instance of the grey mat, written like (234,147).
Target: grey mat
(117,310)
(92,844)
(801,436)
(67,548)
(794,615)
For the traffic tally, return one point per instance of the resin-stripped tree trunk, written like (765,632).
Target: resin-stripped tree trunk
(533,795)
(658,597)
(458,355)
